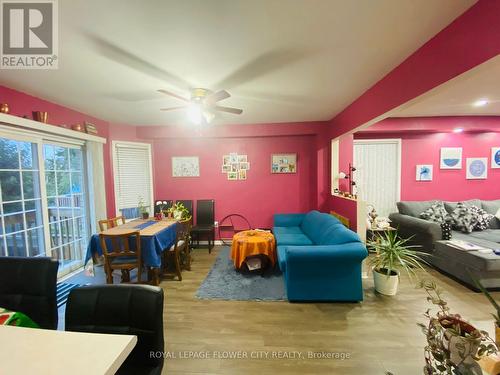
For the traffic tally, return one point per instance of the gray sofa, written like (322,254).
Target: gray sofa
(426,233)
(455,262)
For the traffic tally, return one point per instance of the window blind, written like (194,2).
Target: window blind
(132,175)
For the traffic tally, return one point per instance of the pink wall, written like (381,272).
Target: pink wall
(347,208)
(424,148)
(22,104)
(258,197)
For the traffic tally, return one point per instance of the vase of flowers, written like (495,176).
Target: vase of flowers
(143,209)
(178,212)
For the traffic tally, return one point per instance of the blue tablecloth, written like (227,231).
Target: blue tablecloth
(151,246)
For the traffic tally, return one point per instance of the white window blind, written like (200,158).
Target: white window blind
(133,180)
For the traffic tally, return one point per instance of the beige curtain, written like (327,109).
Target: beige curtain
(97,190)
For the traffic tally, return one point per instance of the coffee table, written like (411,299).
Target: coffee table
(251,243)
(466,265)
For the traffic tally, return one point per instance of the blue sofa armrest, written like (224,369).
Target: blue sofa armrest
(288,220)
(330,272)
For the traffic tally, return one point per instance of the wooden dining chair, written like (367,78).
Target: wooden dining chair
(172,256)
(111,223)
(121,252)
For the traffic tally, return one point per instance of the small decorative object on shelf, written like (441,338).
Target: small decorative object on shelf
(4,108)
(90,128)
(77,127)
(41,116)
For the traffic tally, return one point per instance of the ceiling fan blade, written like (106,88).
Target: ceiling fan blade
(261,65)
(172,108)
(217,97)
(174,95)
(121,56)
(235,111)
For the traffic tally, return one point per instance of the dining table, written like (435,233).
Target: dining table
(156,237)
(50,352)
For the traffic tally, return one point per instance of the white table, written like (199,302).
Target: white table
(42,351)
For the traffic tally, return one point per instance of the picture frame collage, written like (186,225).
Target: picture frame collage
(235,166)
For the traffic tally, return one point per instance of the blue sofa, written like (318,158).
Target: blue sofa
(319,257)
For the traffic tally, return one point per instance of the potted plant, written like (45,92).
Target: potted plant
(179,212)
(453,344)
(143,209)
(391,255)
(495,306)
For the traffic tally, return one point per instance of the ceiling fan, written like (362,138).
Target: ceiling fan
(202,105)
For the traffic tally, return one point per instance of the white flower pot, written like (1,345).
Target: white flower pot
(387,285)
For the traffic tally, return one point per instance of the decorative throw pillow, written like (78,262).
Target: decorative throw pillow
(463,219)
(446,231)
(483,218)
(497,215)
(437,213)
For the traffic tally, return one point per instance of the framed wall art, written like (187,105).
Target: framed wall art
(424,172)
(185,166)
(495,157)
(284,163)
(477,168)
(451,158)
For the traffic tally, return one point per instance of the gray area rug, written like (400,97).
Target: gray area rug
(224,282)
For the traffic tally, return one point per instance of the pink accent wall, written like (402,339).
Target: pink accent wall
(347,208)
(258,197)
(22,104)
(424,148)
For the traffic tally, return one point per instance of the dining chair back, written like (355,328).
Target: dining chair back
(29,286)
(122,251)
(111,223)
(205,217)
(122,309)
(162,204)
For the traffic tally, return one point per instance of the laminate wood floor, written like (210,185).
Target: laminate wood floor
(377,335)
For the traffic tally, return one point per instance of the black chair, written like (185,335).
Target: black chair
(189,206)
(204,223)
(164,203)
(122,309)
(29,285)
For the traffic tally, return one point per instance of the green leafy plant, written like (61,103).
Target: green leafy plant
(179,212)
(491,299)
(451,341)
(143,209)
(392,254)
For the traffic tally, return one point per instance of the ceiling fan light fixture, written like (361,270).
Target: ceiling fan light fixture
(194,113)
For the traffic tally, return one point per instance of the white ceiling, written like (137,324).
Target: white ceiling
(282,60)
(457,96)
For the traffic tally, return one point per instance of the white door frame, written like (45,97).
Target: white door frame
(397,142)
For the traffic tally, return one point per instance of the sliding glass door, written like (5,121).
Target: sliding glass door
(43,205)
(66,203)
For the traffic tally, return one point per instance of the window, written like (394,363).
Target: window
(133,177)
(65,202)
(21,224)
(43,199)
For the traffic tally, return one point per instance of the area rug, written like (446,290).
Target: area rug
(224,282)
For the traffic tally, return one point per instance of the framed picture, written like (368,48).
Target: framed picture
(185,166)
(283,163)
(226,168)
(242,174)
(226,160)
(235,167)
(495,157)
(232,176)
(477,168)
(245,165)
(424,172)
(242,158)
(451,158)
(233,157)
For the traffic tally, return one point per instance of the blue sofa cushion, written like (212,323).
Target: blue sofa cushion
(286,230)
(293,239)
(338,234)
(315,224)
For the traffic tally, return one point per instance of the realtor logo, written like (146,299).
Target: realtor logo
(29,37)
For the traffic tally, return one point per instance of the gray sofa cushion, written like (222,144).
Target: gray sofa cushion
(450,206)
(492,235)
(492,207)
(413,208)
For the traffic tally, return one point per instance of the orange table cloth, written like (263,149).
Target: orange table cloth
(252,242)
